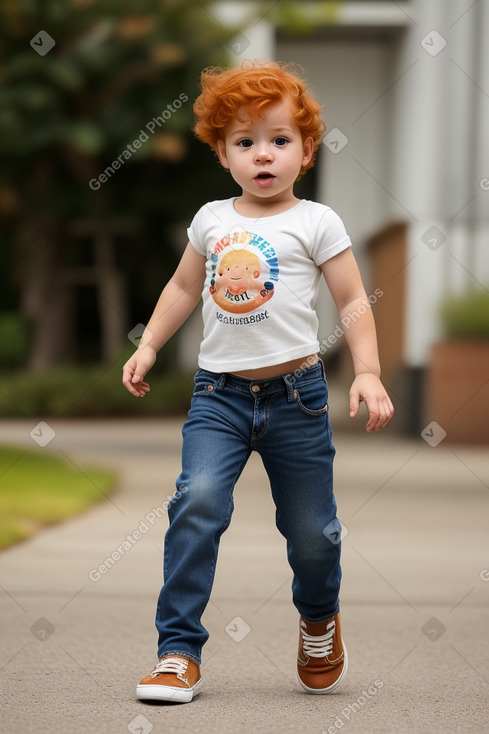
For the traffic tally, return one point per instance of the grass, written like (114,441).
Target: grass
(37,490)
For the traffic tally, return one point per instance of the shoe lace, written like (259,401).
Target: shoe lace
(318,646)
(170,665)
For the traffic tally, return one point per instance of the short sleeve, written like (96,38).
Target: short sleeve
(195,232)
(331,238)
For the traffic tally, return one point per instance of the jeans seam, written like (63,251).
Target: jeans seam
(316,413)
(225,525)
(305,383)
(256,437)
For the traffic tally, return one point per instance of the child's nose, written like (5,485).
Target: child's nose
(263,153)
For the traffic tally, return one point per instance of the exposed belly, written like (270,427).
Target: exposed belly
(276,370)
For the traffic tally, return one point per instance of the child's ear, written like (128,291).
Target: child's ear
(308,150)
(221,153)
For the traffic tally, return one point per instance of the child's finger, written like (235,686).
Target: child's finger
(133,383)
(380,414)
(127,377)
(374,416)
(354,404)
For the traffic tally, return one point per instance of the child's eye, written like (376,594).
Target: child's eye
(280,141)
(246,143)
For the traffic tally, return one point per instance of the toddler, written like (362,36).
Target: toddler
(256,260)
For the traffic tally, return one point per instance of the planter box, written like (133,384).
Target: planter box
(458,390)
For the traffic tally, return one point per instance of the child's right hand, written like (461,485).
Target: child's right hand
(135,369)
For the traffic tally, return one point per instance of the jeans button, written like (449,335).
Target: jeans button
(210,388)
(255,388)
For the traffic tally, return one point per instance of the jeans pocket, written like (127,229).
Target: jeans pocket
(312,399)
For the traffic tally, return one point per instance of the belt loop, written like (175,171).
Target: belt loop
(290,381)
(220,383)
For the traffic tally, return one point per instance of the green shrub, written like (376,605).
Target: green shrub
(14,341)
(466,316)
(79,391)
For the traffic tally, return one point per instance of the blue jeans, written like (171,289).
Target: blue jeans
(285,419)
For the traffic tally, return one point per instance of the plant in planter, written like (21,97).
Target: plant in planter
(466,317)
(458,375)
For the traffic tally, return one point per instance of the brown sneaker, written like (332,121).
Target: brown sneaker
(174,678)
(322,660)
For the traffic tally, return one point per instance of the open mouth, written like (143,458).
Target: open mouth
(264,180)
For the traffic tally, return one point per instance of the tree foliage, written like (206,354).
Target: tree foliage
(80,82)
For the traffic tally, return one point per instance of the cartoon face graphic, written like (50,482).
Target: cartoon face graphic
(238,272)
(236,285)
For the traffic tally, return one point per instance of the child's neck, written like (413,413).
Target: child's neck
(263,207)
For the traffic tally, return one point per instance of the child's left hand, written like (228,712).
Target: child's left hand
(368,388)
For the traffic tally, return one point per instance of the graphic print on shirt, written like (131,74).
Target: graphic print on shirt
(243,271)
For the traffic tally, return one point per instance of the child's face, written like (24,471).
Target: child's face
(265,155)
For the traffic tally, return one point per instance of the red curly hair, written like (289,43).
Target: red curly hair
(226,91)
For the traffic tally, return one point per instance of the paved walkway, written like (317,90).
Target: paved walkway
(77,631)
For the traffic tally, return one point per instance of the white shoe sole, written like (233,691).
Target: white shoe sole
(334,686)
(167,693)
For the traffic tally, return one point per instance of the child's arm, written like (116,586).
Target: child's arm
(345,283)
(177,301)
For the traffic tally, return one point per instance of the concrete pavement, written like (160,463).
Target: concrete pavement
(77,626)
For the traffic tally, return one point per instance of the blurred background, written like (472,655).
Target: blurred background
(100,176)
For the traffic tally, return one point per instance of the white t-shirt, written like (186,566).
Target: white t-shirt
(262,281)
